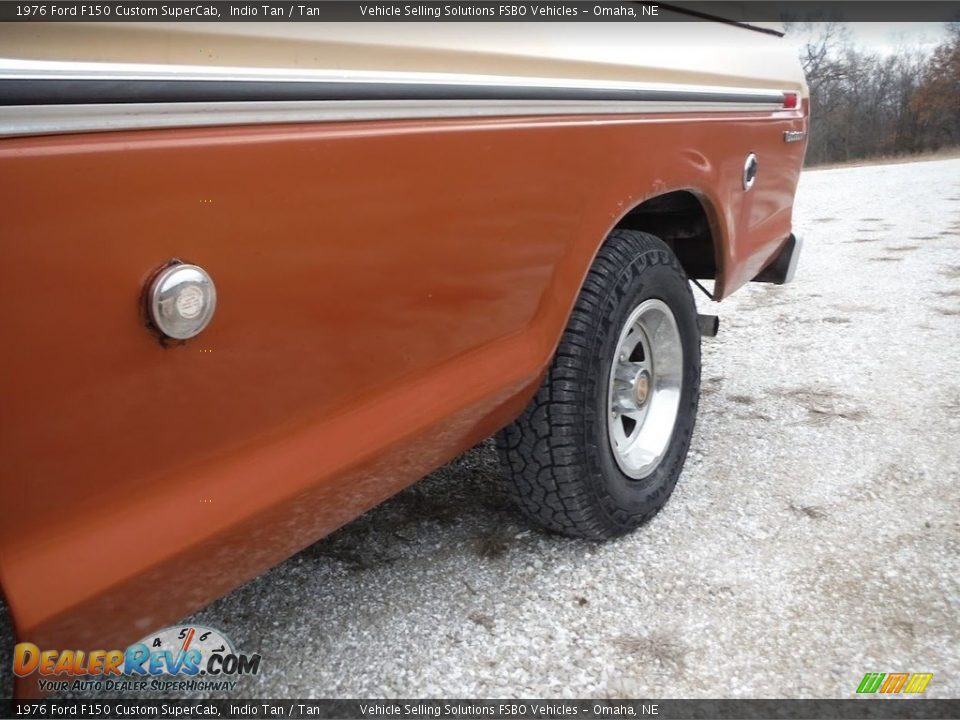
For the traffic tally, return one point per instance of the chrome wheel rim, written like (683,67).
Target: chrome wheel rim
(643,398)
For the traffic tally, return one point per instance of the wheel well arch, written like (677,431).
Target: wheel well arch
(684,220)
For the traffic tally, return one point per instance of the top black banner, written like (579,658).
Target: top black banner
(419,709)
(477,11)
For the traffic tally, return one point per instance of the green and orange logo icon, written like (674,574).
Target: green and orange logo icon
(894,683)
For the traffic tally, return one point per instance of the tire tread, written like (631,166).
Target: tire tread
(550,460)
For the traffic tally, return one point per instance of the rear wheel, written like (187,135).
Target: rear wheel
(600,447)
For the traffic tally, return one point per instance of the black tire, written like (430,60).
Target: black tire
(562,470)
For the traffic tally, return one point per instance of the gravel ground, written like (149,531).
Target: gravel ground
(813,535)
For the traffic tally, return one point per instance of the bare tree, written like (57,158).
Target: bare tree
(869,104)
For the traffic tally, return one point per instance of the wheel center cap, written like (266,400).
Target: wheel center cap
(641,387)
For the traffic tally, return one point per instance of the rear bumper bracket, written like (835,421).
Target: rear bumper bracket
(782,268)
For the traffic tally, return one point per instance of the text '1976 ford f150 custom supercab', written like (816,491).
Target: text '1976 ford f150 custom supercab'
(264,276)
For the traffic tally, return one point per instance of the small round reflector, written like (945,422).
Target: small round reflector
(790,100)
(182,300)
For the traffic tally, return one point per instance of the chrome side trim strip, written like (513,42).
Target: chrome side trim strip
(22,120)
(38,97)
(48,70)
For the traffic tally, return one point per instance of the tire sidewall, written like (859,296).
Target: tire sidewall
(652,275)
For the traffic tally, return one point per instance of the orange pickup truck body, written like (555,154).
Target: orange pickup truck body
(390,292)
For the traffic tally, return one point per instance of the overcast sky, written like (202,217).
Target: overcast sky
(889,37)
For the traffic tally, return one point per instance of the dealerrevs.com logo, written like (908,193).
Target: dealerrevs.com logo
(176,659)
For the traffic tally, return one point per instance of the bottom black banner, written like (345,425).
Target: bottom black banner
(468,709)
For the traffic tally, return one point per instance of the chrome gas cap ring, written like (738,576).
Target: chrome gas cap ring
(750,167)
(181,300)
